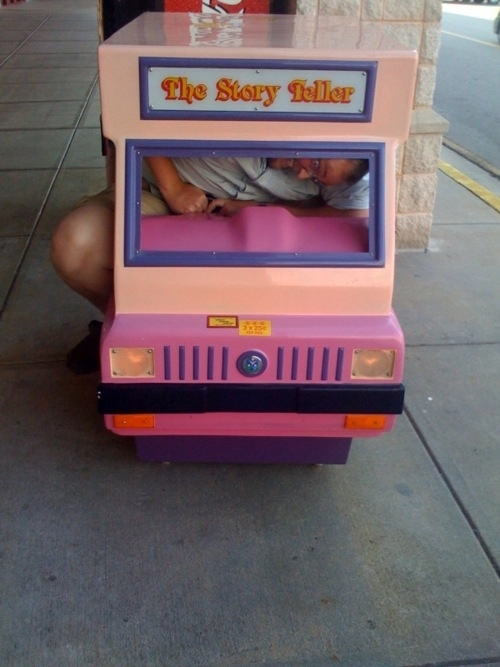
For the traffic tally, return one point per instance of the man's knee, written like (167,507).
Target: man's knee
(83,236)
(68,242)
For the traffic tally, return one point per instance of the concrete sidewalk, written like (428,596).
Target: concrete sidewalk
(391,560)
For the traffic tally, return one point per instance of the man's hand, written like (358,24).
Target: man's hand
(186,198)
(181,197)
(229,207)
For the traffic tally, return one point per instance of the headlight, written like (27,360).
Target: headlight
(132,362)
(373,364)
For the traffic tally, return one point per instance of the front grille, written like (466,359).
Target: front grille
(188,363)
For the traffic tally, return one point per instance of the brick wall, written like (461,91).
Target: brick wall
(416,24)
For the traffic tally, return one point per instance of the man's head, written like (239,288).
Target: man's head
(325,171)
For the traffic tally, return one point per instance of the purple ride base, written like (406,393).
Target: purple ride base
(241,449)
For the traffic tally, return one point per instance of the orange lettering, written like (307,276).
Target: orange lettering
(224,92)
(320,92)
(179,88)
(232,90)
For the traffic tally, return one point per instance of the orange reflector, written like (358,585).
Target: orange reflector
(133,421)
(373,422)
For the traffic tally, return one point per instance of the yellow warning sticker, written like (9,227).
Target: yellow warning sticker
(222,322)
(255,327)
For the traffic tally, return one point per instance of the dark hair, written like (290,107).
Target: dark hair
(360,168)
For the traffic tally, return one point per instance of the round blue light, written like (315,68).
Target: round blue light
(251,363)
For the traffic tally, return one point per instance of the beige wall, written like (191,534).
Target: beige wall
(416,24)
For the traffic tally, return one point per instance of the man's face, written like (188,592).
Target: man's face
(334,171)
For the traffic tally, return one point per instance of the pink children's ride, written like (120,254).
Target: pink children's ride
(266,336)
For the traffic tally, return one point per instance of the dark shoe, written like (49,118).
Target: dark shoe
(84,358)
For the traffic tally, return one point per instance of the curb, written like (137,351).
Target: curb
(473,186)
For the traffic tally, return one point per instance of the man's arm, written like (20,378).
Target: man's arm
(317,208)
(181,197)
(308,208)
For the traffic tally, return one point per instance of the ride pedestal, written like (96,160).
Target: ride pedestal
(242,449)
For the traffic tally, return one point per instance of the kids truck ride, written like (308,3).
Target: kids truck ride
(265,336)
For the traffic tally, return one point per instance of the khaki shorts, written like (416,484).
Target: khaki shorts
(151,204)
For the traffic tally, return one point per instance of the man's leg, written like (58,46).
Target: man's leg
(82,252)
(82,255)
